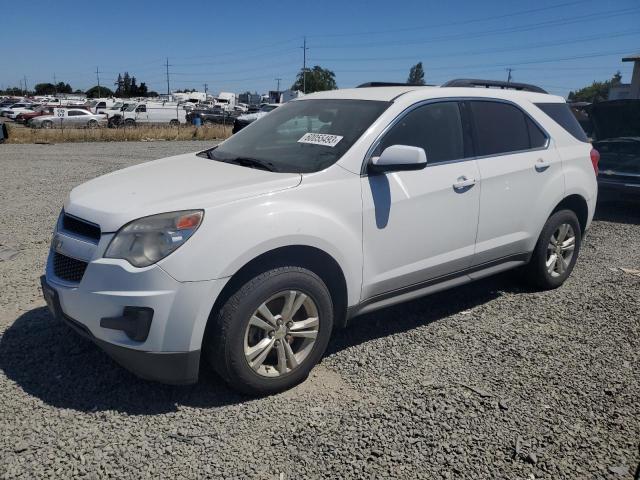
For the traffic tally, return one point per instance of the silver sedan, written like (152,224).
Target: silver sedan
(69,118)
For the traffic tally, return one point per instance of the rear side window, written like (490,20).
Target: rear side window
(499,128)
(537,138)
(561,114)
(436,127)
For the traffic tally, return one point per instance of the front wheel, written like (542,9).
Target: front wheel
(92,124)
(272,331)
(174,122)
(47,124)
(556,252)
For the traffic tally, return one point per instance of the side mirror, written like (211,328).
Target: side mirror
(399,158)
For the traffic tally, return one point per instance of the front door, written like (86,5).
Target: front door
(421,225)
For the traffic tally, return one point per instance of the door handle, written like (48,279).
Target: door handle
(541,165)
(464,183)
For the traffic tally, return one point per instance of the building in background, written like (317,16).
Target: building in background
(628,90)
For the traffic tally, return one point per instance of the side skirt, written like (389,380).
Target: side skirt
(438,284)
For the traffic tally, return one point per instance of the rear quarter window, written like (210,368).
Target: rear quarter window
(562,115)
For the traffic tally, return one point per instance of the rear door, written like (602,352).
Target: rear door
(521,179)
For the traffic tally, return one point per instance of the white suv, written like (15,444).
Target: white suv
(249,254)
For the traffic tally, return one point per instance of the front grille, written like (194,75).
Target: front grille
(67,268)
(80,227)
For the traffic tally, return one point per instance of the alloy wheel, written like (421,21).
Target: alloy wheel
(560,250)
(281,333)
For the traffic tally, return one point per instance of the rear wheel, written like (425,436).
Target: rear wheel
(47,124)
(92,124)
(556,252)
(272,331)
(174,122)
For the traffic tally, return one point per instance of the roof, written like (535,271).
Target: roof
(417,93)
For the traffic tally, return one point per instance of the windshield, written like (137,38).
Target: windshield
(268,108)
(130,108)
(302,136)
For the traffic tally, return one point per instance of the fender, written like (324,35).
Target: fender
(317,214)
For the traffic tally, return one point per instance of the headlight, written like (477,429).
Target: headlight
(148,240)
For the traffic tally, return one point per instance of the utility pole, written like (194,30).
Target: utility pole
(205,91)
(26,89)
(278,80)
(509,70)
(98,77)
(168,89)
(304,65)
(55,84)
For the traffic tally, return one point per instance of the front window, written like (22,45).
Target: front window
(130,108)
(302,136)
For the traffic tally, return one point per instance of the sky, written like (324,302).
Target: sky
(243,45)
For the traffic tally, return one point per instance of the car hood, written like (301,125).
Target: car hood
(183,182)
(615,119)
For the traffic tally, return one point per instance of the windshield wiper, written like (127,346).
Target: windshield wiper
(244,162)
(252,163)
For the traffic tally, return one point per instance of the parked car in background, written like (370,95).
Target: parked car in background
(248,254)
(17,111)
(40,111)
(211,116)
(101,105)
(8,109)
(616,135)
(244,120)
(68,118)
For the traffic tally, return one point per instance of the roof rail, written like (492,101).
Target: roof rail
(388,84)
(472,82)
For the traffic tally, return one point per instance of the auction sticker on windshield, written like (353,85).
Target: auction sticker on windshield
(320,139)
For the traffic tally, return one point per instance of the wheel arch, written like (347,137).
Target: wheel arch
(577,204)
(312,258)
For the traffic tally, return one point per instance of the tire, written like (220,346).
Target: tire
(208,123)
(129,122)
(233,343)
(46,124)
(542,271)
(174,122)
(92,124)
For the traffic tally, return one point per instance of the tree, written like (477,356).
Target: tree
(64,88)
(597,91)
(416,75)
(127,86)
(45,89)
(95,92)
(13,91)
(317,79)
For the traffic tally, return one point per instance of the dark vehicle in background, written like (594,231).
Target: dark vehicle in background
(616,135)
(244,120)
(209,116)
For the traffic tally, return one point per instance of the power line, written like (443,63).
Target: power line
(485,51)
(448,24)
(598,16)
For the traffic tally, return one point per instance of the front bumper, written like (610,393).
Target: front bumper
(172,368)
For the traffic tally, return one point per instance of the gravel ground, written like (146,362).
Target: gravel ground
(486,381)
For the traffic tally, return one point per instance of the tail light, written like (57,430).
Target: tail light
(595,158)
